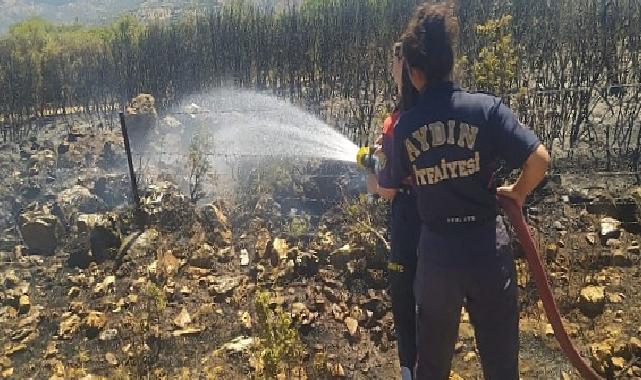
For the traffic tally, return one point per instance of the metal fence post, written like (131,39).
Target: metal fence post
(132,173)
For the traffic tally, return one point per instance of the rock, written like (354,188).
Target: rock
(615,298)
(634,248)
(105,286)
(375,303)
(24,304)
(342,256)
(592,300)
(610,228)
(10,279)
(77,131)
(301,314)
(41,232)
(338,371)
(618,363)
(352,327)
(94,322)
(244,257)
(69,325)
(600,354)
(11,349)
(466,331)
(166,265)
(139,245)
(6,373)
(42,160)
(558,226)
(166,208)
(263,243)
(51,350)
(216,225)
(246,319)
(238,345)
(613,243)
(222,286)
(307,264)
(73,292)
(79,200)
(470,356)
(634,346)
(142,104)
(111,359)
(141,119)
(185,291)
(280,249)
(551,250)
(204,257)
(189,331)
(108,334)
(102,237)
(182,319)
(620,258)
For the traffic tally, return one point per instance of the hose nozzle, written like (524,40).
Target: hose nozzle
(366,159)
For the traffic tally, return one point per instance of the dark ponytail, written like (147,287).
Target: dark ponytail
(409,95)
(430,41)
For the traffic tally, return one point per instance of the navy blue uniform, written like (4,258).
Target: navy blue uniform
(450,143)
(405,228)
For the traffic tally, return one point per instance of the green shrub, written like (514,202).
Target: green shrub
(279,348)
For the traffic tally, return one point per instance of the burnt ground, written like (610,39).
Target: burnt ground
(86,291)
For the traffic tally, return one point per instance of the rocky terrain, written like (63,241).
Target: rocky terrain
(269,283)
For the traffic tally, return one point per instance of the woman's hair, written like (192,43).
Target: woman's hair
(409,95)
(429,41)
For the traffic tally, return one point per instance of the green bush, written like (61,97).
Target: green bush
(495,69)
(279,348)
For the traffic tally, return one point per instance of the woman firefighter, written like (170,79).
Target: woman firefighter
(450,142)
(404,225)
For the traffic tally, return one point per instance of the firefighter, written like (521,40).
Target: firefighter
(404,226)
(450,143)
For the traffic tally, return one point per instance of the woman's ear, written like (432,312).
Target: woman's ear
(417,76)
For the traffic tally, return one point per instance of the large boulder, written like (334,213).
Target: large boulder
(79,200)
(139,244)
(592,300)
(41,232)
(165,207)
(141,118)
(101,238)
(610,228)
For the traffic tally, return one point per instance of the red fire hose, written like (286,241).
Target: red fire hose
(515,215)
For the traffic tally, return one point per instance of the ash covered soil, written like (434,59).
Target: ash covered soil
(207,290)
